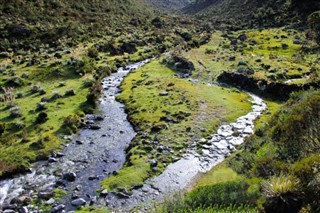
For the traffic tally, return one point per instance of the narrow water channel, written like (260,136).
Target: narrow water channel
(92,155)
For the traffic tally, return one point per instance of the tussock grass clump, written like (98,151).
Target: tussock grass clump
(283,194)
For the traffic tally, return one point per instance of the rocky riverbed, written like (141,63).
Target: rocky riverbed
(95,153)
(177,176)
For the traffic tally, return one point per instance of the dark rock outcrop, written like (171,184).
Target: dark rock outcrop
(277,90)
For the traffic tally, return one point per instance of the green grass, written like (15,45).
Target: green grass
(130,176)
(285,63)
(220,173)
(193,106)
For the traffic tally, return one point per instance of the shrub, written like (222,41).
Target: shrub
(2,128)
(55,96)
(94,93)
(306,168)
(209,51)
(15,111)
(93,52)
(41,106)
(88,82)
(223,194)
(19,94)
(314,26)
(62,84)
(72,122)
(283,194)
(70,92)
(42,117)
(18,125)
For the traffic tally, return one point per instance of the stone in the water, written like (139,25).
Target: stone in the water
(9,211)
(52,160)
(93,200)
(60,155)
(70,176)
(79,142)
(51,201)
(93,178)
(75,195)
(94,127)
(8,206)
(45,195)
(58,208)
(104,193)
(78,202)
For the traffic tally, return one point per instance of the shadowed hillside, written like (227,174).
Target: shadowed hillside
(252,13)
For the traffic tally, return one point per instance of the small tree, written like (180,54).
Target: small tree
(314,26)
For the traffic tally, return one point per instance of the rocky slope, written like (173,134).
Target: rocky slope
(32,23)
(252,13)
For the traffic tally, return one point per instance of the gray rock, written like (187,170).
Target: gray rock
(79,142)
(52,160)
(93,178)
(24,210)
(94,127)
(78,202)
(58,208)
(45,195)
(51,201)
(242,37)
(93,200)
(164,93)
(8,206)
(9,211)
(70,176)
(104,193)
(154,163)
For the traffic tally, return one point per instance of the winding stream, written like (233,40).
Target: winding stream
(90,156)
(179,175)
(93,155)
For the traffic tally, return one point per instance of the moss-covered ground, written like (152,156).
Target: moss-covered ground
(271,54)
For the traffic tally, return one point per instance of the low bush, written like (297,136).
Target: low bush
(72,122)
(15,111)
(283,194)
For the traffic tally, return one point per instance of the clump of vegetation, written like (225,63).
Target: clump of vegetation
(283,194)
(15,111)
(72,122)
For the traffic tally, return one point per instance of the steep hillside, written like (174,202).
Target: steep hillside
(252,13)
(169,5)
(34,22)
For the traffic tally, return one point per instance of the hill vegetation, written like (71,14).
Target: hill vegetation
(169,5)
(238,14)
